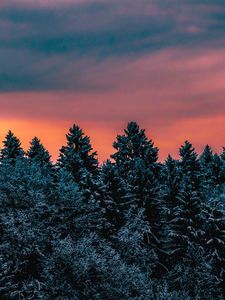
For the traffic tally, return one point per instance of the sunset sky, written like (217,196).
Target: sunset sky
(102,63)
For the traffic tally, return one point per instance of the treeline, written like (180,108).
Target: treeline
(132,228)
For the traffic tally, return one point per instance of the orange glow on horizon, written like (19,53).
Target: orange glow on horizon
(52,134)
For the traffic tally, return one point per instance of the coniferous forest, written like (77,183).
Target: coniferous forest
(130,228)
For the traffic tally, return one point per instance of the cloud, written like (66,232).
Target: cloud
(185,83)
(41,39)
(175,93)
(102,63)
(42,3)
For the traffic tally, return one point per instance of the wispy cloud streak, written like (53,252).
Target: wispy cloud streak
(101,63)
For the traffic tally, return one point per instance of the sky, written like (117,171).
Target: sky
(102,63)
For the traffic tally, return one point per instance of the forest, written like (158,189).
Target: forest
(132,227)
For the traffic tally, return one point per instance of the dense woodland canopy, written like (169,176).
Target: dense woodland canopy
(132,228)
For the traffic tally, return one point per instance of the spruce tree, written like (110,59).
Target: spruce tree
(38,153)
(187,223)
(211,166)
(76,215)
(206,165)
(136,160)
(170,186)
(134,144)
(218,173)
(214,237)
(223,166)
(190,164)
(171,178)
(78,159)
(77,155)
(117,195)
(11,148)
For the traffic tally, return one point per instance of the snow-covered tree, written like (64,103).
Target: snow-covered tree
(117,195)
(136,160)
(170,185)
(131,145)
(38,152)
(24,238)
(223,166)
(214,236)
(11,148)
(131,228)
(187,221)
(189,163)
(77,154)
(206,165)
(76,213)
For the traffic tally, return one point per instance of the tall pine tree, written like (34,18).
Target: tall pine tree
(80,161)
(117,195)
(77,155)
(187,222)
(190,164)
(11,148)
(38,153)
(170,196)
(134,144)
(136,159)
(223,166)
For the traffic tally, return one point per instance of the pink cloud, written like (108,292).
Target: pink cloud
(41,3)
(175,94)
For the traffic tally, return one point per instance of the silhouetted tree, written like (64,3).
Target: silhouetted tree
(206,164)
(170,196)
(77,155)
(136,160)
(11,148)
(131,145)
(117,195)
(214,238)
(190,165)
(131,228)
(38,152)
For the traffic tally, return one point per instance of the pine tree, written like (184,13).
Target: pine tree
(187,223)
(136,160)
(190,164)
(214,237)
(78,159)
(146,189)
(170,197)
(171,178)
(77,155)
(217,172)
(38,153)
(206,157)
(117,195)
(77,215)
(12,148)
(24,231)
(211,171)
(132,145)
(206,169)
(223,166)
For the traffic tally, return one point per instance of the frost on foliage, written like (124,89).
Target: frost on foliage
(132,228)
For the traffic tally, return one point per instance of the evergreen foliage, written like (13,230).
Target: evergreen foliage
(131,228)
(77,155)
(11,148)
(38,152)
